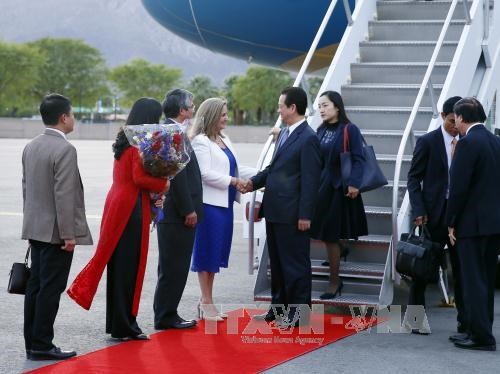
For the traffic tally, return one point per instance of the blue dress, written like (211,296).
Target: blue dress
(212,243)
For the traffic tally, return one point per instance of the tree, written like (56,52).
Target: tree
(202,88)
(140,78)
(228,92)
(19,69)
(72,68)
(314,86)
(258,91)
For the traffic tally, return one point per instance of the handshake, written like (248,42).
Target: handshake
(242,185)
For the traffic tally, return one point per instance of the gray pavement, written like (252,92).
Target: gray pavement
(75,328)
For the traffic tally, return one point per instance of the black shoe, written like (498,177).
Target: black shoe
(52,354)
(176,324)
(140,337)
(458,337)
(471,344)
(344,251)
(330,295)
(268,317)
(420,332)
(28,354)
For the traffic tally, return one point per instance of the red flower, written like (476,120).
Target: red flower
(177,138)
(156,146)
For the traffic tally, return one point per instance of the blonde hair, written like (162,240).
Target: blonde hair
(207,118)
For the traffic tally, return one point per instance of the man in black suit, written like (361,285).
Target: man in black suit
(428,188)
(291,181)
(473,218)
(182,211)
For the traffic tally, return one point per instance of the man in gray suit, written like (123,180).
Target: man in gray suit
(54,222)
(183,209)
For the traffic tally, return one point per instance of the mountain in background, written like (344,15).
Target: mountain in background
(120,29)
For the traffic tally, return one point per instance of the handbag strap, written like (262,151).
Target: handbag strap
(27,255)
(346,138)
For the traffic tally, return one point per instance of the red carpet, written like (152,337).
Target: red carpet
(238,345)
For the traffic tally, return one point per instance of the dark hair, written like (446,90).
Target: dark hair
(52,107)
(449,103)
(470,109)
(144,111)
(336,99)
(175,100)
(297,96)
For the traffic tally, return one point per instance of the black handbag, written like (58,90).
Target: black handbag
(373,177)
(418,256)
(19,275)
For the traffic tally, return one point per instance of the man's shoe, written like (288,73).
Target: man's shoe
(268,317)
(458,337)
(28,354)
(52,354)
(140,337)
(178,323)
(420,332)
(470,344)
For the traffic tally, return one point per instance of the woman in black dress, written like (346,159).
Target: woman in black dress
(340,213)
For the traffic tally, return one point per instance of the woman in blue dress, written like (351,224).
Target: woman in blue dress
(340,213)
(220,174)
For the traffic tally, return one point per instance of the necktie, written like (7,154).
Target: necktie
(453,145)
(284,137)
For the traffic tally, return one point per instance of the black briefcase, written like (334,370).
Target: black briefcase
(418,257)
(19,275)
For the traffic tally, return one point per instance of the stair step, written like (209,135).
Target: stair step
(387,142)
(388,162)
(383,196)
(386,94)
(349,269)
(388,118)
(405,51)
(414,30)
(379,220)
(396,72)
(418,10)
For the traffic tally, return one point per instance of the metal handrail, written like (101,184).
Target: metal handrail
(409,125)
(268,143)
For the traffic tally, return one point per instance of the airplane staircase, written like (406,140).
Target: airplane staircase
(380,87)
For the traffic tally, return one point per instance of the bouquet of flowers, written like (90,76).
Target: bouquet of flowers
(164,150)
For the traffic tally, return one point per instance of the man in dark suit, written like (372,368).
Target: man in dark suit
(428,187)
(291,181)
(54,222)
(473,218)
(182,211)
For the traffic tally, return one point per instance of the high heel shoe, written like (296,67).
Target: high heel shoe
(344,252)
(202,314)
(332,295)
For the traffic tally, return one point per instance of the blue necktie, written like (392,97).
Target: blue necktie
(284,137)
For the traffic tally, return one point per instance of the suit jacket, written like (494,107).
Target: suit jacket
(292,178)
(474,200)
(331,168)
(53,201)
(185,194)
(214,168)
(428,179)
